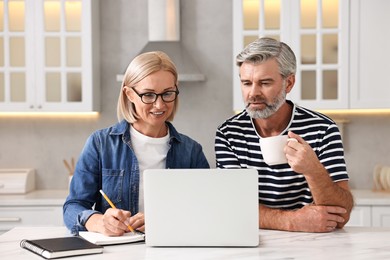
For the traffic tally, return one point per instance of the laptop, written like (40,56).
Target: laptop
(201,207)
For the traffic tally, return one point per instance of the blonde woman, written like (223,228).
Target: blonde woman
(114,158)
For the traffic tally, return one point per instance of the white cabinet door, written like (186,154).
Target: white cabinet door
(370,38)
(367,216)
(360,217)
(11,217)
(49,56)
(381,216)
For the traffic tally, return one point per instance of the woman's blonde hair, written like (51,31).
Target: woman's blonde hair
(140,67)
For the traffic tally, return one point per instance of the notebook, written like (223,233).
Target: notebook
(100,239)
(60,247)
(201,207)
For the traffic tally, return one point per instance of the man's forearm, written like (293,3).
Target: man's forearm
(310,218)
(274,218)
(326,192)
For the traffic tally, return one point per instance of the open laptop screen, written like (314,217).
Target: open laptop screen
(201,207)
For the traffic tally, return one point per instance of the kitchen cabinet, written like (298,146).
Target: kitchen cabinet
(360,217)
(36,208)
(369,54)
(316,30)
(336,65)
(381,216)
(370,216)
(11,217)
(49,57)
(372,209)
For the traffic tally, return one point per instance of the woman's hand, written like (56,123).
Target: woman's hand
(138,221)
(113,223)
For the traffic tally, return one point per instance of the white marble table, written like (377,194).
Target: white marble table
(349,243)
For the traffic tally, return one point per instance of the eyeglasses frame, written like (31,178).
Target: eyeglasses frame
(157,95)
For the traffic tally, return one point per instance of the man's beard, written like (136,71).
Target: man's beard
(270,109)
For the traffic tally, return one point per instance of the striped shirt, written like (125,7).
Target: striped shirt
(237,146)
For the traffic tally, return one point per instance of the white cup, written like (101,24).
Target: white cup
(272,149)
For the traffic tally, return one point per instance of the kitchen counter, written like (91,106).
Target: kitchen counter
(36,197)
(372,209)
(347,243)
(28,209)
(372,198)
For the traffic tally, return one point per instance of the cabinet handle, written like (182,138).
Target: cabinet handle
(10,219)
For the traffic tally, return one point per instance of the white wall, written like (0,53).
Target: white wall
(367,143)
(42,143)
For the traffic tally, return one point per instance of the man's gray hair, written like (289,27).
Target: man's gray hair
(264,49)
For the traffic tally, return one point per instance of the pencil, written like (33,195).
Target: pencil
(113,206)
(68,167)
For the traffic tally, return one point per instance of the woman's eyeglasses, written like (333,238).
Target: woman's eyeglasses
(151,97)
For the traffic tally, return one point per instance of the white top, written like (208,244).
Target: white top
(151,153)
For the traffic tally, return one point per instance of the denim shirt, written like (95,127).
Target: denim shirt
(108,162)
